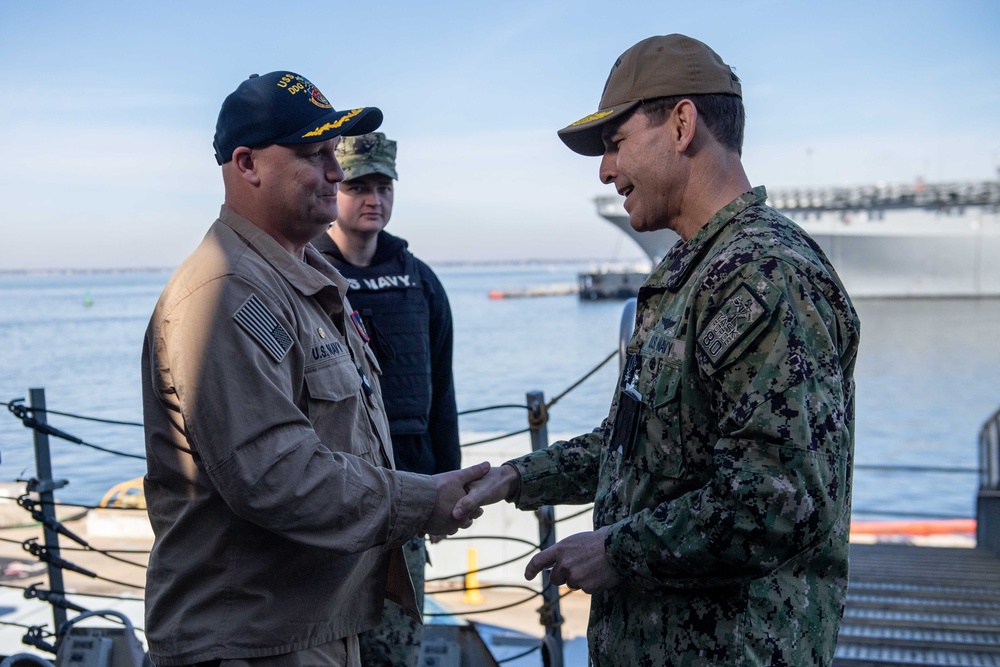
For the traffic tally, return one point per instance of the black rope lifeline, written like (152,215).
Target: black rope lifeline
(36,524)
(534,547)
(24,413)
(9,541)
(492,407)
(523,654)
(43,553)
(13,587)
(89,419)
(534,594)
(494,565)
(51,523)
(109,554)
(108,551)
(585,510)
(494,439)
(28,627)
(60,600)
(34,593)
(581,380)
(89,595)
(59,503)
(547,405)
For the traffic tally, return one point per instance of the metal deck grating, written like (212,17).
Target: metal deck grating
(900,602)
(933,607)
(920,634)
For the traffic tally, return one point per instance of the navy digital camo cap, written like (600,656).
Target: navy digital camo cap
(284,108)
(367,154)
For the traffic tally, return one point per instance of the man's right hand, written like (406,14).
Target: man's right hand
(451,487)
(496,485)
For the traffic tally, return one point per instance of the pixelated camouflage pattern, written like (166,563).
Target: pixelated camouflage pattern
(730,514)
(395,642)
(367,154)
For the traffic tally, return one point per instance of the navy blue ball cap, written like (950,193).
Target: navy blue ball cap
(284,108)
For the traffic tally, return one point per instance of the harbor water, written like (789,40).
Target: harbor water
(927,376)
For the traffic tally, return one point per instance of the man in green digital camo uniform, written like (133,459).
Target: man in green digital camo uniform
(721,478)
(407,319)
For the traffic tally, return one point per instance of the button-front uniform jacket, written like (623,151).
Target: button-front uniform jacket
(726,480)
(276,514)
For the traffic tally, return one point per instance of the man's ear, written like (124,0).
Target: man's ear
(245,163)
(684,124)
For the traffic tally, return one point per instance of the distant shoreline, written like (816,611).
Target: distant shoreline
(80,272)
(152,269)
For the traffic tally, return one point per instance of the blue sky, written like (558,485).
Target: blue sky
(107,109)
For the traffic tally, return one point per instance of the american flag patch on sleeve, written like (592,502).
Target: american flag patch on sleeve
(264,327)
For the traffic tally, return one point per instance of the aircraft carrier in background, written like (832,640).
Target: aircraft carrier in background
(914,240)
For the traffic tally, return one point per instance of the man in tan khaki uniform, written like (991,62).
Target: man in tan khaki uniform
(271,487)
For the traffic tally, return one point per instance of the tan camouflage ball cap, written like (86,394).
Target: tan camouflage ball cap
(367,154)
(661,66)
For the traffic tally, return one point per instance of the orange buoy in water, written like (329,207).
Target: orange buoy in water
(921,527)
(496,294)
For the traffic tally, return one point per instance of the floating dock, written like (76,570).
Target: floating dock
(611,284)
(545,290)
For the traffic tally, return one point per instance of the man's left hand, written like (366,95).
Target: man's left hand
(579,561)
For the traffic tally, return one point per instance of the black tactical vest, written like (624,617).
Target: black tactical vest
(390,298)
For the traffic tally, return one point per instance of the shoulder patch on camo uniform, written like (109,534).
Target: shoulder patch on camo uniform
(735,319)
(264,327)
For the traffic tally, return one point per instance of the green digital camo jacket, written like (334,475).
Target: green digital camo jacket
(729,494)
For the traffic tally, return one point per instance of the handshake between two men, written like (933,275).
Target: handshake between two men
(579,561)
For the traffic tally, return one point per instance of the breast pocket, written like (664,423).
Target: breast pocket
(335,407)
(334,381)
(659,448)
